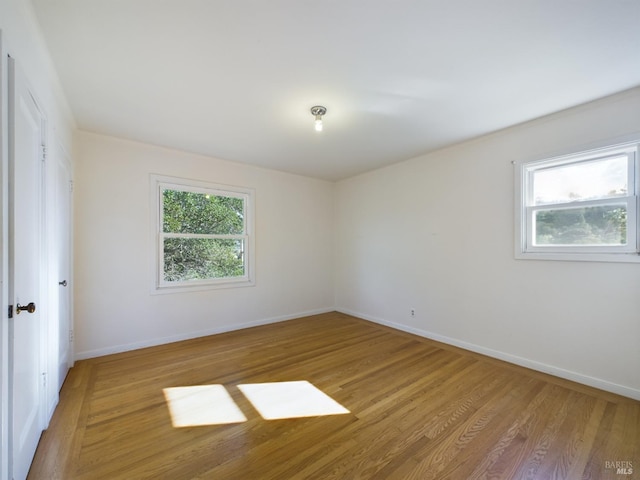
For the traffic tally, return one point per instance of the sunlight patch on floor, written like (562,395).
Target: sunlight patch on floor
(279,400)
(202,405)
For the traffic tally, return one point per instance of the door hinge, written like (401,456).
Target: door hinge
(44,153)
(10,312)
(70,186)
(44,379)
(70,336)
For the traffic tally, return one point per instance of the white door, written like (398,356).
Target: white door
(63,255)
(26,140)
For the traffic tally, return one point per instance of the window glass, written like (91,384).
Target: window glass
(188,259)
(601,225)
(203,213)
(588,180)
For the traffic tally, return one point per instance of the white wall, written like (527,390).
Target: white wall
(23,40)
(436,233)
(114,308)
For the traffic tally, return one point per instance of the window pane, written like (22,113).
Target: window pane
(599,226)
(590,180)
(202,258)
(191,212)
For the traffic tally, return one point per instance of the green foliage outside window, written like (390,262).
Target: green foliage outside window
(601,225)
(194,222)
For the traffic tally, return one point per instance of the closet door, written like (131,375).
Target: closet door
(62,256)
(26,337)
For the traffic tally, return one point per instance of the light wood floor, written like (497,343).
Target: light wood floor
(418,410)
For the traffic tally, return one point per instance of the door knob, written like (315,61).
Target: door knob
(28,308)
(63,283)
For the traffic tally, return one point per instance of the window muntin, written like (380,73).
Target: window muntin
(581,204)
(203,235)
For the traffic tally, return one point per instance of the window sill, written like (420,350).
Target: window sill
(201,287)
(580,257)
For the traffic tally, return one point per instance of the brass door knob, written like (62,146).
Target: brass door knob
(28,308)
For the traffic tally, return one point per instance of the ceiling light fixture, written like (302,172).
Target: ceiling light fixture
(318,111)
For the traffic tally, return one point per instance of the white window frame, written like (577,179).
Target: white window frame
(525,208)
(159,284)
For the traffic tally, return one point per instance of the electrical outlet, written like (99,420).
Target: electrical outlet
(413,312)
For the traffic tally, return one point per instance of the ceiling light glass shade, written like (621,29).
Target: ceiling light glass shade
(318,124)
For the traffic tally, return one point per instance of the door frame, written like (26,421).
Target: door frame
(4,257)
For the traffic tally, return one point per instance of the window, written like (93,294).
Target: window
(580,207)
(202,235)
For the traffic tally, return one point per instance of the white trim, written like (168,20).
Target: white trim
(507,357)
(4,262)
(200,333)
(581,257)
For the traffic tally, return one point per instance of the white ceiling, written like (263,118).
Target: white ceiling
(235,79)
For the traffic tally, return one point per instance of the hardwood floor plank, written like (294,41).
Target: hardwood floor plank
(61,442)
(418,409)
(477,431)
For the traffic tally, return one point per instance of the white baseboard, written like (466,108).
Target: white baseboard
(187,336)
(507,357)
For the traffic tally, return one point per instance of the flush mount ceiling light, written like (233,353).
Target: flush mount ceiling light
(318,111)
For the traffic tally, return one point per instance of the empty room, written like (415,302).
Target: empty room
(348,239)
